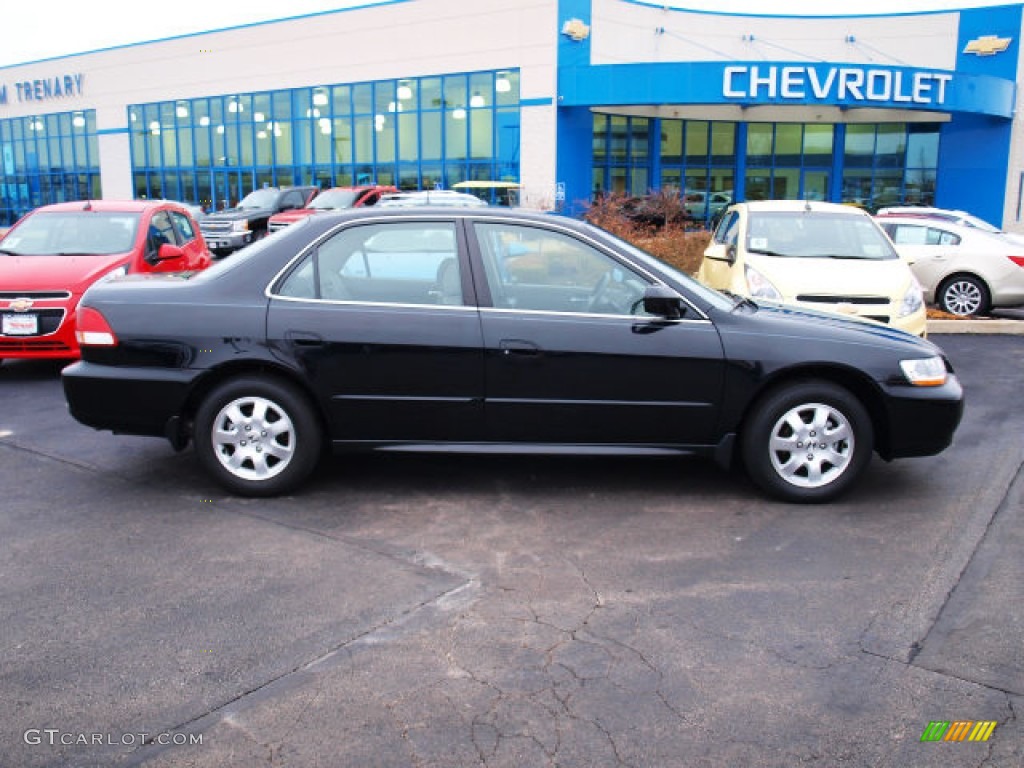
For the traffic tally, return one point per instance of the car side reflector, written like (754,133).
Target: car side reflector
(1018,260)
(93,330)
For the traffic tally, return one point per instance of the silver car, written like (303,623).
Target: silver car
(964,270)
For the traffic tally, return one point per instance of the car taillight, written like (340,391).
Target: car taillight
(1018,260)
(92,329)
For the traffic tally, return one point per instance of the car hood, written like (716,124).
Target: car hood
(794,277)
(296,215)
(826,333)
(236,214)
(71,273)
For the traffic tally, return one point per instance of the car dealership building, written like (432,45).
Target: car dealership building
(567,97)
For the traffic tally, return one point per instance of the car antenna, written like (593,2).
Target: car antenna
(807,205)
(87,206)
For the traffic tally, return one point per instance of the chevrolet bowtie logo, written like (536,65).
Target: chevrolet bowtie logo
(988,45)
(21,305)
(576,29)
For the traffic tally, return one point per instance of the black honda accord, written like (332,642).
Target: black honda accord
(487,330)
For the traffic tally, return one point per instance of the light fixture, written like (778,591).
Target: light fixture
(277,131)
(259,117)
(312,113)
(133,116)
(234,106)
(261,134)
(181,110)
(404,93)
(204,121)
(325,125)
(319,98)
(378,122)
(220,129)
(154,126)
(78,120)
(477,100)
(502,84)
(459,113)
(394,106)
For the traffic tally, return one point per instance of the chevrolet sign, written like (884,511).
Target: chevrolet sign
(988,45)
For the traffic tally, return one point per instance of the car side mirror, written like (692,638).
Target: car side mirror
(721,252)
(662,301)
(166,252)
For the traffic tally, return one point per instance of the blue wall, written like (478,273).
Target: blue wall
(974,149)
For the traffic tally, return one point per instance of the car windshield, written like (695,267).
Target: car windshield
(261,198)
(816,234)
(85,233)
(340,198)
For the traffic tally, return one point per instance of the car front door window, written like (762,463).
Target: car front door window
(544,270)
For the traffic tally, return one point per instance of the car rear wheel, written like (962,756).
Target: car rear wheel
(964,295)
(807,442)
(256,436)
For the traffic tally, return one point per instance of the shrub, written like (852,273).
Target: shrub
(656,223)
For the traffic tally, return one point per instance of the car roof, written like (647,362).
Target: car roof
(114,206)
(799,205)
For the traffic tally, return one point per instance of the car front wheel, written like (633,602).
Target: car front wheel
(257,436)
(964,295)
(807,442)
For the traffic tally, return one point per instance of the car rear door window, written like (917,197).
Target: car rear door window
(392,263)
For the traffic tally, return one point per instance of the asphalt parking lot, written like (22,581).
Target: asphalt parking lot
(470,611)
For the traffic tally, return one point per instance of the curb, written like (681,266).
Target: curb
(1001,326)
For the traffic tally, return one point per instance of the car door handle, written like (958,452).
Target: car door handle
(304,339)
(518,347)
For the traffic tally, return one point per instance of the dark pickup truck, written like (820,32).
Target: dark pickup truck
(227,231)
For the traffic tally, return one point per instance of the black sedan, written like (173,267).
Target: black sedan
(489,330)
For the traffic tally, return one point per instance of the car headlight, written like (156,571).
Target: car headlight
(913,299)
(929,372)
(242,225)
(759,286)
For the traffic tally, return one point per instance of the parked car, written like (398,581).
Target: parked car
(228,231)
(817,255)
(962,218)
(495,330)
(53,254)
(334,199)
(444,197)
(700,204)
(964,270)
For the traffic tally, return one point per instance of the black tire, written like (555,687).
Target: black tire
(257,436)
(787,455)
(964,296)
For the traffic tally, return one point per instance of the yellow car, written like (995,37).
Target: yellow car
(822,256)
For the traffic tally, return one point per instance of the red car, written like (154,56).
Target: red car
(52,255)
(331,200)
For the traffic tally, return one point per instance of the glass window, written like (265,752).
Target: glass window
(671,141)
(184,226)
(407,263)
(542,270)
(759,144)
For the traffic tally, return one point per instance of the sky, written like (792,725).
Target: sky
(53,28)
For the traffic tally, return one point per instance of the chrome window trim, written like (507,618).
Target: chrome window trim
(349,302)
(473,215)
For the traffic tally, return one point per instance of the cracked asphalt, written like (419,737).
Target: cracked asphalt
(507,611)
